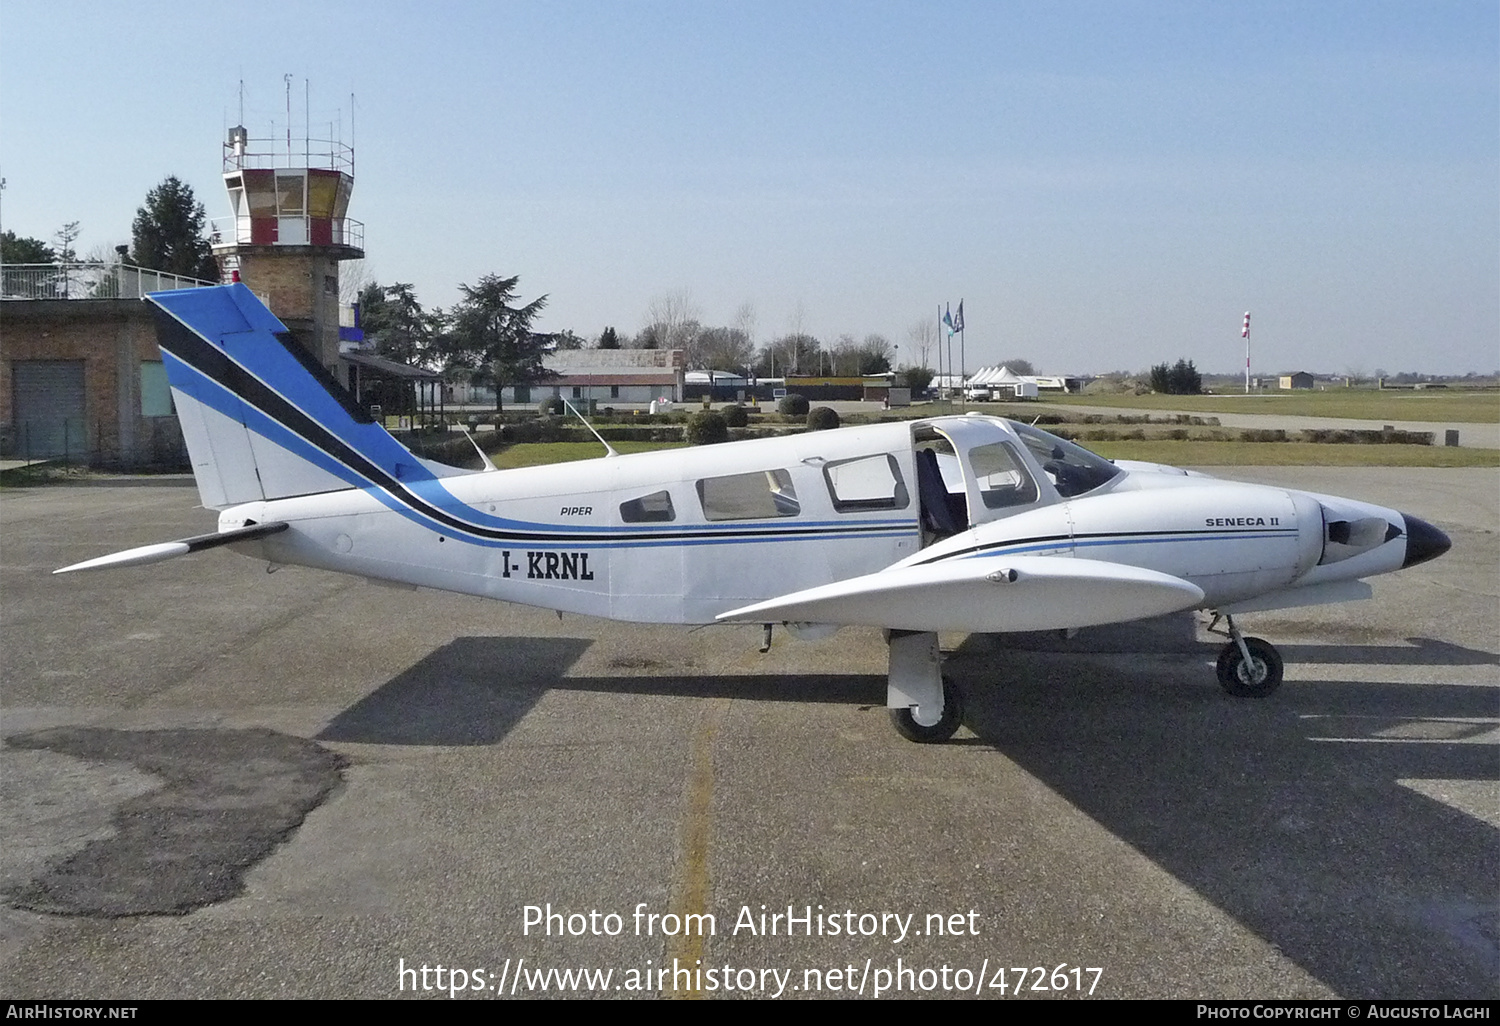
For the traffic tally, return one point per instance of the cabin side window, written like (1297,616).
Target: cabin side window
(1002,476)
(866,483)
(655,508)
(758,496)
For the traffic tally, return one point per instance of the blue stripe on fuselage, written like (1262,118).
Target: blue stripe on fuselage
(218,397)
(1023,545)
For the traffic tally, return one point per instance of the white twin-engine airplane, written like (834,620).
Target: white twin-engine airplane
(957,523)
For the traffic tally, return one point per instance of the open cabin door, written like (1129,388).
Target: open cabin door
(969,472)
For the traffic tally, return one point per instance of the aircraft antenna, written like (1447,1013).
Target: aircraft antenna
(489,464)
(609,450)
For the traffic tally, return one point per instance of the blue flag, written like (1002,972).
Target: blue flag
(957,324)
(948,316)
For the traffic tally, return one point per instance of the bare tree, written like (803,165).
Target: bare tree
(668,318)
(744,323)
(103,253)
(784,355)
(354,275)
(795,349)
(922,337)
(724,349)
(844,356)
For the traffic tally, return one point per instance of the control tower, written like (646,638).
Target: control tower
(289,231)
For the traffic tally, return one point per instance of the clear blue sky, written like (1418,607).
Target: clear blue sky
(1105,184)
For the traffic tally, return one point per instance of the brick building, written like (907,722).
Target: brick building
(80,372)
(82,378)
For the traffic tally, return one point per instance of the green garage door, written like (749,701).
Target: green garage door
(48,408)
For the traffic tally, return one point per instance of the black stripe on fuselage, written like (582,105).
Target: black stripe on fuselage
(1084,538)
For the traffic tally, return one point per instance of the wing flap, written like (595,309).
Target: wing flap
(991,595)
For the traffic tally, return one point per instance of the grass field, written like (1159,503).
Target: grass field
(535,454)
(1188,453)
(1294,454)
(1440,405)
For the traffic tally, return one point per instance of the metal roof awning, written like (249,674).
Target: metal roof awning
(381,365)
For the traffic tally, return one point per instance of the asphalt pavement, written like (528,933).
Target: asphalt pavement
(222,782)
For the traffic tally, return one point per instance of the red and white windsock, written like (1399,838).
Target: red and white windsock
(1245,334)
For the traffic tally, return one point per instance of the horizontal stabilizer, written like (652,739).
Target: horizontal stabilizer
(166,550)
(992,595)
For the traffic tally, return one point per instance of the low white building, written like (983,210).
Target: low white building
(604,375)
(618,375)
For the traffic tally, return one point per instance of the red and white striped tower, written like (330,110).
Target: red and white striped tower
(1245,334)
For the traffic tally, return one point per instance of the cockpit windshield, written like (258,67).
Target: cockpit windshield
(1073,469)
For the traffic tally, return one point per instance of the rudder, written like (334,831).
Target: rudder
(261,419)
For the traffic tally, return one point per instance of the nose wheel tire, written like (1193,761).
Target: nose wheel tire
(1255,679)
(946,726)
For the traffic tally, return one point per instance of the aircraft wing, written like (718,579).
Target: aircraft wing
(992,595)
(159,551)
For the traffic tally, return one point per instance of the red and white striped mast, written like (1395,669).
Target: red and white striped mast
(1245,334)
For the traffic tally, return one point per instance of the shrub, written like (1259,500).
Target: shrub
(822,419)
(707,428)
(552,406)
(735,416)
(792,405)
(1262,435)
(1181,378)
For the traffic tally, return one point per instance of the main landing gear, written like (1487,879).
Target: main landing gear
(1248,667)
(925,706)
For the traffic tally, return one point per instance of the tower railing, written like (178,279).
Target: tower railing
(96,280)
(287,230)
(273,153)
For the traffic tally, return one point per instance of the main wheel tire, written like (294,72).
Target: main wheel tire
(946,726)
(1256,679)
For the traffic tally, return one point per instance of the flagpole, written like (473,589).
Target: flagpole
(963,360)
(963,363)
(950,369)
(940,349)
(945,338)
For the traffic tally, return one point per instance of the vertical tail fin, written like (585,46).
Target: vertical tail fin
(261,418)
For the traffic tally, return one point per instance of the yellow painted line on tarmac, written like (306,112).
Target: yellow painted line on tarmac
(693,890)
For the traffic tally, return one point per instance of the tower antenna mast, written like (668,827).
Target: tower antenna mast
(288,80)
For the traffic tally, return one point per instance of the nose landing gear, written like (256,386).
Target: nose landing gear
(1248,667)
